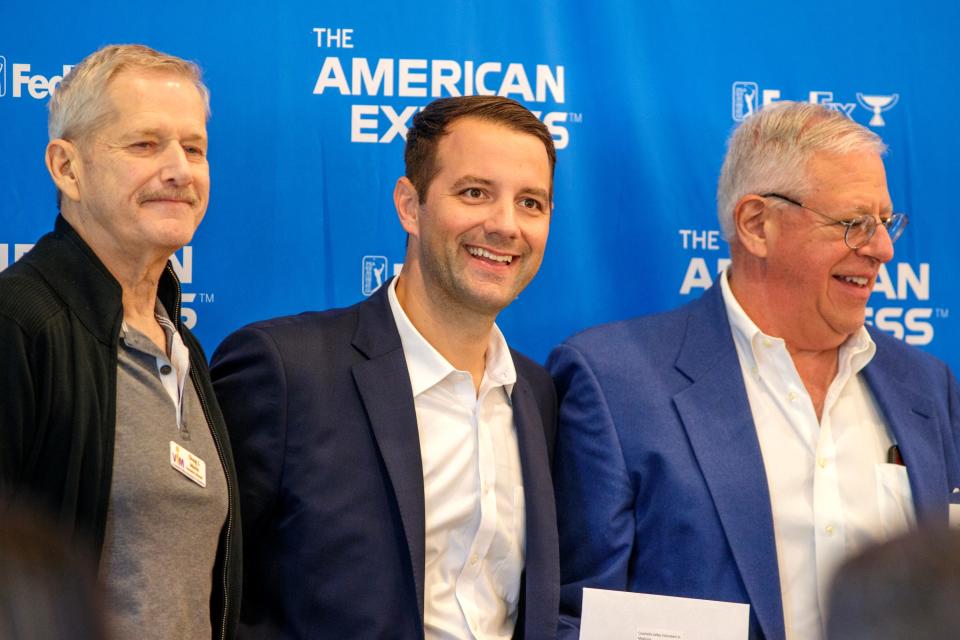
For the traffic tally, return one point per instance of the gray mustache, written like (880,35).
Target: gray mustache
(182,195)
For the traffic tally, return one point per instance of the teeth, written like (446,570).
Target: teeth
(483,253)
(859,281)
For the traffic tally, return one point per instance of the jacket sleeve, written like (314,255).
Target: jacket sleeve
(17,402)
(250,385)
(595,497)
(952,446)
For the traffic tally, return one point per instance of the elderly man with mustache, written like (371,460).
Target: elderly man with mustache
(108,418)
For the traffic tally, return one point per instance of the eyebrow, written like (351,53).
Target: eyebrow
(158,133)
(468,180)
(866,210)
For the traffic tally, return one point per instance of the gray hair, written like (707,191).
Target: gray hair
(770,150)
(77,107)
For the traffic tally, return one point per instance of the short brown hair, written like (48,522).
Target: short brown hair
(429,125)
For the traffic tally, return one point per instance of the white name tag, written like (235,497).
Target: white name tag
(188,464)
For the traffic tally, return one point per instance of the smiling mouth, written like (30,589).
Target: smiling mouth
(479,252)
(858,281)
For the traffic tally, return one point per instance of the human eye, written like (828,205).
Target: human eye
(194,150)
(142,145)
(854,222)
(472,193)
(531,203)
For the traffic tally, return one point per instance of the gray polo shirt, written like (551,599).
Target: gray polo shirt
(163,526)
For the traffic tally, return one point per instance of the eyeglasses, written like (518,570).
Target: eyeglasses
(859,229)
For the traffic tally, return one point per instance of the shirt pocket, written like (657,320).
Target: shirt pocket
(954,506)
(894,499)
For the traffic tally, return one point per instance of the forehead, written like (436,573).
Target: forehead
(147,97)
(473,145)
(858,177)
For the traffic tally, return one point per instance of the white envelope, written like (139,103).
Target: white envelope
(620,615)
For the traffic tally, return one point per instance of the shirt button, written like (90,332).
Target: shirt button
(792,396)
(166,369)
(767,343)
(829,529)
(474,559)
(822,462)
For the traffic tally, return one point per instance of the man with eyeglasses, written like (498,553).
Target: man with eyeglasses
(740,447)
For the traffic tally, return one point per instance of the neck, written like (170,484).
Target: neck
(817,369)
(815,360)
(138,276)
(459,335)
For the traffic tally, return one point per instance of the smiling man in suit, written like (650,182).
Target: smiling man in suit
(738,448)
(394,455)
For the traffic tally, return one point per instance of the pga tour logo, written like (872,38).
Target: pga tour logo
(747,98)
(373,273)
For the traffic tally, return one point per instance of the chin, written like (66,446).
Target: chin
(848,326)
(175,231)
(485,302)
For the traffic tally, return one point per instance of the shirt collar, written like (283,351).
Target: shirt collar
(854,354)
(427,367)
(176,354)
(140,342)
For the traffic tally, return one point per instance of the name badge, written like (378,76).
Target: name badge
(188,464)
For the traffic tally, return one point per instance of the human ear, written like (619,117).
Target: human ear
(750,216)
(407,202)
(63,162)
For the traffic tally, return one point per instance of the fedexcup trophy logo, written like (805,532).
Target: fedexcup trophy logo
(878,104)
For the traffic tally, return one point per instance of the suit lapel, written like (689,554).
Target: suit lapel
(384,386)
(542,585)
(910,415)
(716,415)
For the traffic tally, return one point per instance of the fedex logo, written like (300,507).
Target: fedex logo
(22,80)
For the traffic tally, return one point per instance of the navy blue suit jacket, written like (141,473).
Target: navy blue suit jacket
(322,422)
(660,482)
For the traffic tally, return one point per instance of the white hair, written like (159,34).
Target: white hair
(78,108)
(770,150)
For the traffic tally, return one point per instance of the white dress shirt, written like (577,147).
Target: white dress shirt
(473,488)
(831,490)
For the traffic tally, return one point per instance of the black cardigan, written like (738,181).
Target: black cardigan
(60,316)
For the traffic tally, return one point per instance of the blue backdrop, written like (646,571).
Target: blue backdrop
(310,102)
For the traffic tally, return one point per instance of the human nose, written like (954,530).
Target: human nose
(175,166)
(502,220)
(880,246)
